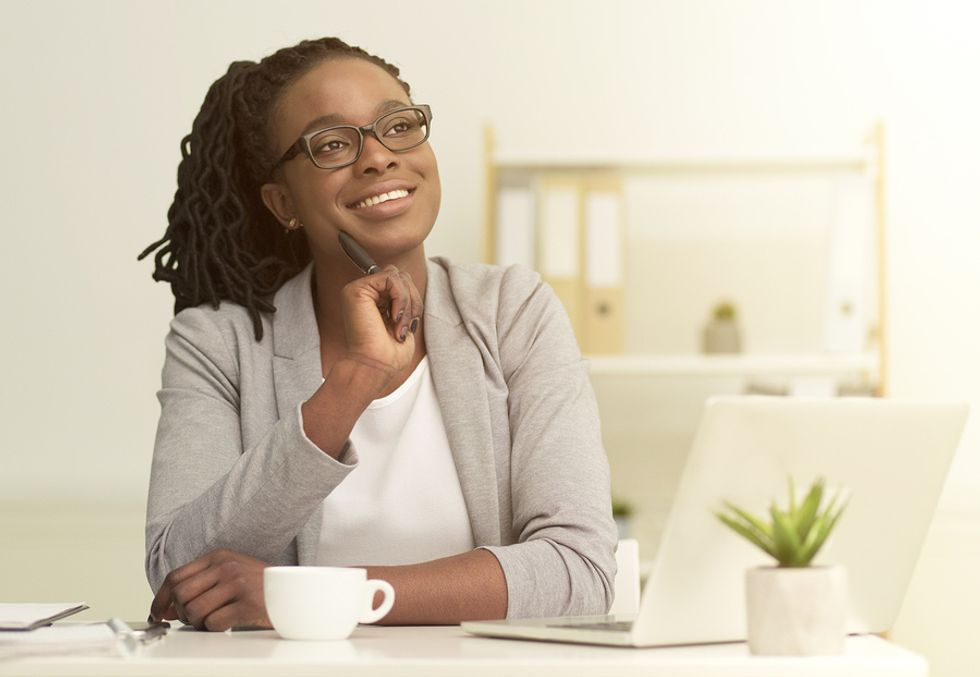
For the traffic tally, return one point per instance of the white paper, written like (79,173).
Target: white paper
(20,615)
(603,238)
(559,233)
(72,639)
(851,257)
(515,227)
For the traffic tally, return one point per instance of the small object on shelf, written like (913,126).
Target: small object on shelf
(770,387)
(623,514)
(721,334)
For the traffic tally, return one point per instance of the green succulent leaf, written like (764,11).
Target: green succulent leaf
(756,523)
(747,532)
(793,536)
(749,526)
(784,533)
(825,524)
(808,511)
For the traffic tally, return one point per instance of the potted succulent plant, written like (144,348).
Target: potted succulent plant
(794,608)
(622,511)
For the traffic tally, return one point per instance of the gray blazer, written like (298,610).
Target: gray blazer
(232,467)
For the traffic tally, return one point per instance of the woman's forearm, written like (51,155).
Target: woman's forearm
(446,591)
(330,414)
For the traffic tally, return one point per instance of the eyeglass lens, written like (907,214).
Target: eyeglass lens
(399,130)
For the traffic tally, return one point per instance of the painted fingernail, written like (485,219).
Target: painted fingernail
(403,333)
(401,314)
(415,325)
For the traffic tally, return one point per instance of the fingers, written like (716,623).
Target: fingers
(416,314)
(399,300)
(218,591)
(202,607)
(169,613)
(236,615)
(405,305)
(380,314)
(395,295)
(162,607)
(192,596)
(227,616)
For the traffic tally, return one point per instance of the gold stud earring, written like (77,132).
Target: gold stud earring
(293,224)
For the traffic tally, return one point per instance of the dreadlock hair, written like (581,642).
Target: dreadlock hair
(221,243)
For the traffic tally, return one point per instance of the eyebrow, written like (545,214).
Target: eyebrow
(335,119)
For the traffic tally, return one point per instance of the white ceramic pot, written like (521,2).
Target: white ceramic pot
(721,336)
(796,612)
(624,526)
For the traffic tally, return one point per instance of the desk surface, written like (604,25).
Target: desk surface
(434,651)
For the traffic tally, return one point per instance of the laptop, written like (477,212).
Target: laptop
(890,456)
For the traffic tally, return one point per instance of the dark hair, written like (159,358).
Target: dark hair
(221,243)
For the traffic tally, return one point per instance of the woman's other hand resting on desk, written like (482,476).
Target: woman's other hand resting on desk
(224,589)
(216,592)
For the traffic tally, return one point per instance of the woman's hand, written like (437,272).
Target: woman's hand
(381,315)
(221,590)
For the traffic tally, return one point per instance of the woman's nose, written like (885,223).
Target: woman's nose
(375,157)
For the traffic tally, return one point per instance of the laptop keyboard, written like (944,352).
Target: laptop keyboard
(612,626)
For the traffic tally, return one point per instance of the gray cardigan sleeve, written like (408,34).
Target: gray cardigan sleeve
(564,560)
(206,490)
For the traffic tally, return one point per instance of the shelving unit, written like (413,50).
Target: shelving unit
(735,365)
(577,164)
(506,168)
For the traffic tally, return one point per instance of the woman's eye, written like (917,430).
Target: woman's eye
(400,126)
(328,145)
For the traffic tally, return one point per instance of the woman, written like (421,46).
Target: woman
(311,414)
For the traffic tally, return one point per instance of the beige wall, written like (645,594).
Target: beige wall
(97,94)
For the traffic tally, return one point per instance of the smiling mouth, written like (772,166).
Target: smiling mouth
(378,199)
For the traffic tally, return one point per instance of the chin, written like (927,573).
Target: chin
(389,241)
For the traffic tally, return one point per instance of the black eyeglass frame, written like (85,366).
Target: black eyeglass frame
(302,144)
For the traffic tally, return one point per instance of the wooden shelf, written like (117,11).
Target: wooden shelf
(535,171)
(734,365)
(577,163)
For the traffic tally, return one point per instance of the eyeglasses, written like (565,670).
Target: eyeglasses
(335,147)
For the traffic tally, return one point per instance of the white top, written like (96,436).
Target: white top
(403,503)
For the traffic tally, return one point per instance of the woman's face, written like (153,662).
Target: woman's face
(353,92)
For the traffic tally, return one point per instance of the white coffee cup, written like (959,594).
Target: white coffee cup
(322,602)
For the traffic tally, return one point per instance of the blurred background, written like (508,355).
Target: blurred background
(754,196)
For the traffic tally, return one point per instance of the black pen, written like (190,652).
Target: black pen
(357,254)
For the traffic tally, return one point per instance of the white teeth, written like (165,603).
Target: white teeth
(384,197)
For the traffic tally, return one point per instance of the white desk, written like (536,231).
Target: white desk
(436,651)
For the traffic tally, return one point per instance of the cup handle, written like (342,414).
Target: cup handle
(373,615)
